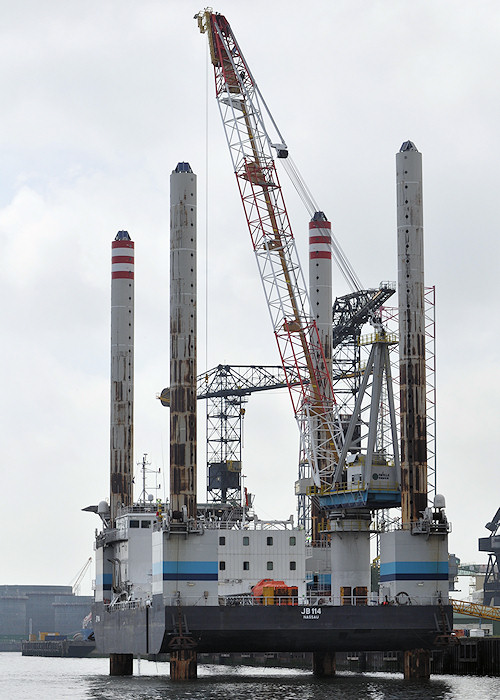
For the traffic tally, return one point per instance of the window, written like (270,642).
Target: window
(293,541)
(246,541)
(270,566)
(246,566)
(145,523)
(222,566)
(293,565)
(134,523)
(222,540)
(269,540)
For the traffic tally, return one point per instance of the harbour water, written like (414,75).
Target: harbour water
(25,678)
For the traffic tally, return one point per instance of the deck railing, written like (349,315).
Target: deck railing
(304,601)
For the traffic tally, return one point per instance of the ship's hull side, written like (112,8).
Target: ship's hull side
(270,628)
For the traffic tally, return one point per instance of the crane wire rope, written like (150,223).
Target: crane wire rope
(274,245)
(308,200)
(340,258)
(207,70)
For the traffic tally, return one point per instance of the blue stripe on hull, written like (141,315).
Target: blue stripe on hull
(414,571)
(190,577)
(413,577)
(190,567)
(104,581)
(417,568)
(186,570)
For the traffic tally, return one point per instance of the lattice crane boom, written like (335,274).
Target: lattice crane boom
(79,577)
(486,612)
(273,242)
(226,389)
(241,380)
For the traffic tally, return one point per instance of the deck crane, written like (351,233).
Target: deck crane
(253,156)
(226,389)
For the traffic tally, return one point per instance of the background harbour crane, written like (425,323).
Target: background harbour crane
(79,577)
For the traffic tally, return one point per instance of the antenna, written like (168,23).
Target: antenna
(145,497)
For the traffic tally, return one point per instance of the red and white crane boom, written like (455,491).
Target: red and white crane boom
(252,155)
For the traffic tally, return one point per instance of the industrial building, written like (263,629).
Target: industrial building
(28,610)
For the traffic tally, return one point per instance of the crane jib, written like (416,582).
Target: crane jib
(284,285)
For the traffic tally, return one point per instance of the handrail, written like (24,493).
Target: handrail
(302,602)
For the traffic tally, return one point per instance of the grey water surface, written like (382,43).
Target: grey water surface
(34,678)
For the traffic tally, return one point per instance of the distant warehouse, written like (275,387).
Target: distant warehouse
(35,609)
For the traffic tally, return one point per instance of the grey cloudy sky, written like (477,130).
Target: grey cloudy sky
(100,100)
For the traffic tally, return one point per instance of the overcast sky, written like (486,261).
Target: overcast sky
(100,100)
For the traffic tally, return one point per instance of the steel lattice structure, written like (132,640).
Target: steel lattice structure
(491,544)
(390,320)
(274,245)
(226,389)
